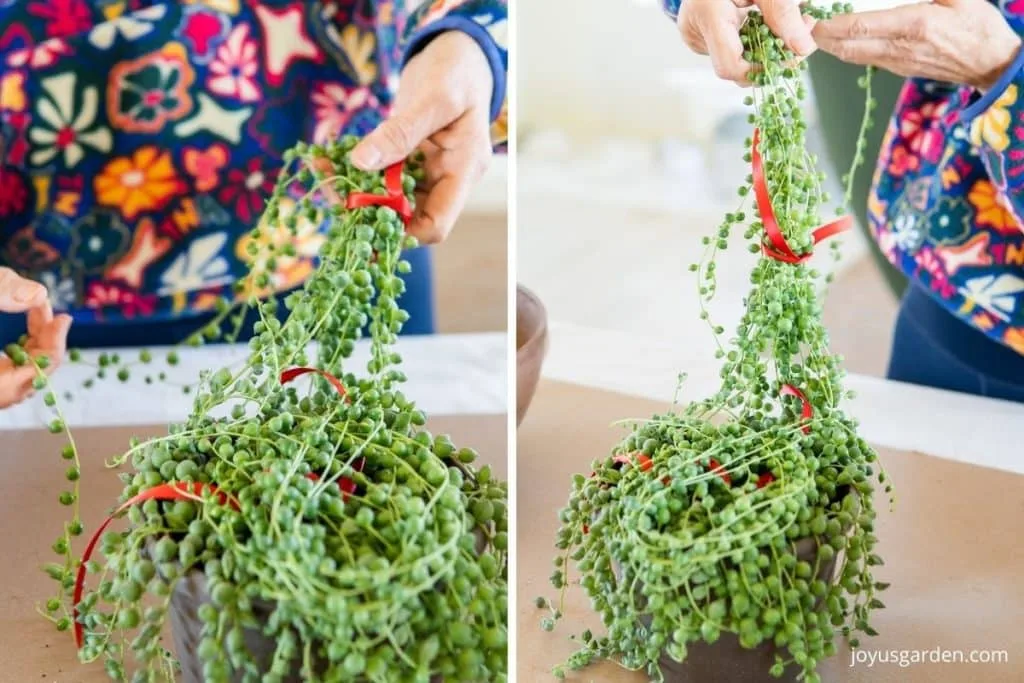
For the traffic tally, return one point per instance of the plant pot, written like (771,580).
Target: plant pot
(725,660)
(531,347)
(191,593)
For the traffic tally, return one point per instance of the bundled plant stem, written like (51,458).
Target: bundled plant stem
(379,548)
(689,529)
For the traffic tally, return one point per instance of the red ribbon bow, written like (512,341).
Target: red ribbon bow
(394,199)
(779,248)
(193,491)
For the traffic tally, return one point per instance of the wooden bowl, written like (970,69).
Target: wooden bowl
(531,347)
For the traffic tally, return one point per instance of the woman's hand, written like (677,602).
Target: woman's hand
(443,110)
(712,27)
(47,334)
(966,42)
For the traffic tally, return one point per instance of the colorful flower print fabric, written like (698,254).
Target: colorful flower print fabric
(139,139)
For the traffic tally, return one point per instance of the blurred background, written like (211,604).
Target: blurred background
(630,150)
(471,267)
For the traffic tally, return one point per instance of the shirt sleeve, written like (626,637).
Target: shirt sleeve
(995,123)
(486,22)
(671,7)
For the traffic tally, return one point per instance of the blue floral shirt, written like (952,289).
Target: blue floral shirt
(140,138)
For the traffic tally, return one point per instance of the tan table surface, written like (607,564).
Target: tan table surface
(952,548)
(31,477)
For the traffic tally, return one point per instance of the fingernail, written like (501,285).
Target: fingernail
(365,155)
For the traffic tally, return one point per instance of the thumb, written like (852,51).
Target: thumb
(398,137)
(784,19)
(48,336)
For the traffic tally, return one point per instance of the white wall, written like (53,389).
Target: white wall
(596,67)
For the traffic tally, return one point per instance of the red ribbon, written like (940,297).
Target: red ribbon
(395,198)
(806,412)
(715,467)
(171,491)
(347,486)
(779,248)
(193,491)
(289,375)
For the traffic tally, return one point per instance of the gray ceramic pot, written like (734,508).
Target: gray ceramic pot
(725,660)
(191,593)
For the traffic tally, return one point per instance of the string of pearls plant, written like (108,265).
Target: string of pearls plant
(689,529)
(403,580)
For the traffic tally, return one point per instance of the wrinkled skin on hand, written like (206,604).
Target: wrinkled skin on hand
(967,42)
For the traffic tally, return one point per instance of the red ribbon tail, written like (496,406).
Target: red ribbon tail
(289,375)
(807,412)
(764,202)
(837,226)
(393,178)
(162,492)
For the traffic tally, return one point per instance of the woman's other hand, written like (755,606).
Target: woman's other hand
(712,27)
(47,334)
(967,42)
